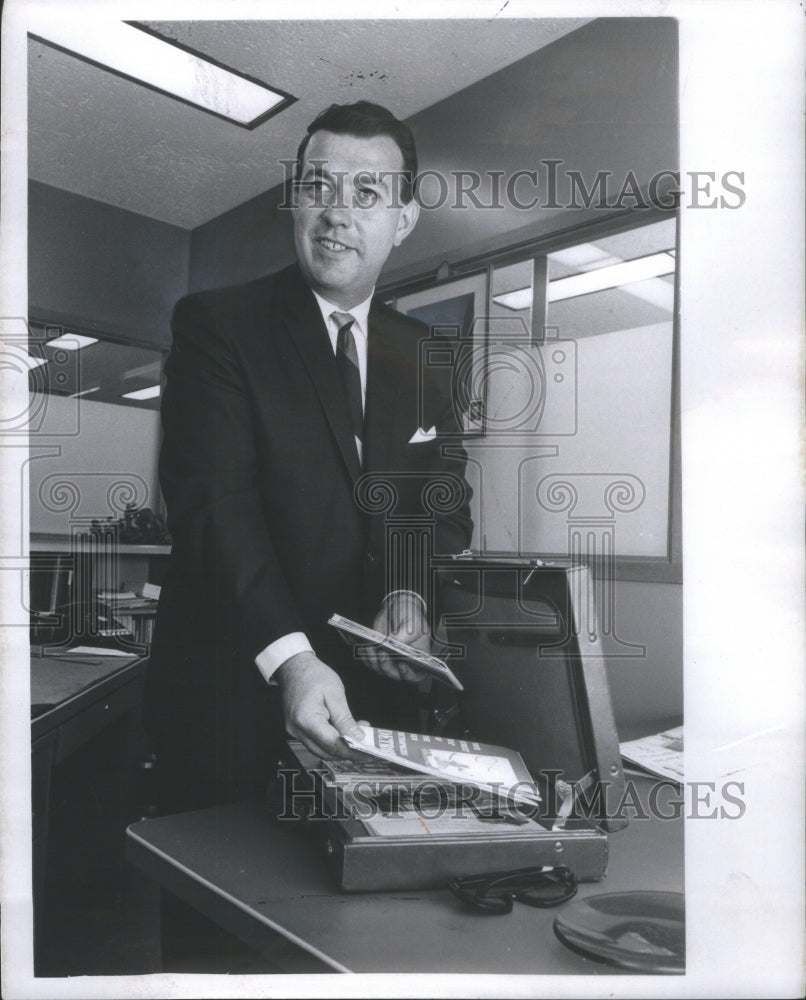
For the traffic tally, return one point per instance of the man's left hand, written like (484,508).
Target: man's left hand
(402,616)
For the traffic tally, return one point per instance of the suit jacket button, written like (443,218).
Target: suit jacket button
(370,557)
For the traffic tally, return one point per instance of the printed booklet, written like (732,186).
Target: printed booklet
(432,665)
(495,769)
(660,754)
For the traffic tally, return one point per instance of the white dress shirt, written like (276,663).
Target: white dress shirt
(282,649)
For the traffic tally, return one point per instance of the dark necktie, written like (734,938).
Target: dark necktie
(347,363)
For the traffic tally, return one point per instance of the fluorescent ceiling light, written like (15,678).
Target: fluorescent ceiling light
(642,274)
(521,298)
(72,341)
(583,257)
(136,53)
(653,266)
(85,392)
(149,393)
(588,257)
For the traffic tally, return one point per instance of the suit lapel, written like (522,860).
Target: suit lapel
(307,331)
(383,384)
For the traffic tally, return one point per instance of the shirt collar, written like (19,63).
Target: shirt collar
(359,312)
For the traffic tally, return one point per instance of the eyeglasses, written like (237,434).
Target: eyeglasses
(494,892)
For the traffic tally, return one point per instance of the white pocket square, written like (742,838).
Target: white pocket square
(420,435)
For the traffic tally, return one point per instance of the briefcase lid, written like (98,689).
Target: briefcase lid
(523,636)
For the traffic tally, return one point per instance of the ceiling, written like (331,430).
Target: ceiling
(107,138)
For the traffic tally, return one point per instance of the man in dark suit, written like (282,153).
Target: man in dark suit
(300,427)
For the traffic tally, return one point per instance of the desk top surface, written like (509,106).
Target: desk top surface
(57,679)
(275,872)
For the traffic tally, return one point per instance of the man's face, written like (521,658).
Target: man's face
(349,214)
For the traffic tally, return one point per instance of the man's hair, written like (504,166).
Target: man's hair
(365,120)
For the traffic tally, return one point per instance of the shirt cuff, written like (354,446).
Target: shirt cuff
(276,653)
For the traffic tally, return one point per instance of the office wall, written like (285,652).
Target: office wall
(252,239)
(646,684)
(87,460)
(107,268)
(110,271)
(600,99)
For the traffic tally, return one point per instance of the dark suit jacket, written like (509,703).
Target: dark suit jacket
(274,524)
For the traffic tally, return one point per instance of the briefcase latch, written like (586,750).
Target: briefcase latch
(568,794)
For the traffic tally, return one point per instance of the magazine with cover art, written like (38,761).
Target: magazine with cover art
(432,665)
(493,768)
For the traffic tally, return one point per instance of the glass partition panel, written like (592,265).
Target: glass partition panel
(611,304)
(66,362)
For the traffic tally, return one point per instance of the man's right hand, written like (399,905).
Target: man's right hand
(315,706)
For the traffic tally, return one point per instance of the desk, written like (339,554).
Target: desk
(259,878)
(63,686)
(73,700)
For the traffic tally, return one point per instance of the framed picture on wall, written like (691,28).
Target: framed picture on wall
(456,313)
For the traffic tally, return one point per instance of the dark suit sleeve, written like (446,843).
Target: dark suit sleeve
(208,473)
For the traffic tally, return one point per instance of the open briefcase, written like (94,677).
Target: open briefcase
(522,638)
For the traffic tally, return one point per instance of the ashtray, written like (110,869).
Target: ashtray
(641,931)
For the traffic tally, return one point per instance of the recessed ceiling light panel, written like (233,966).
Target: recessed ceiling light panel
(72,341)
(139,54)
(612,276)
